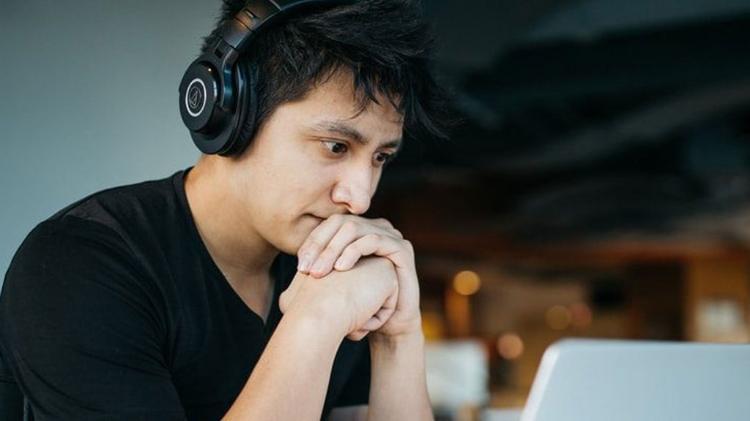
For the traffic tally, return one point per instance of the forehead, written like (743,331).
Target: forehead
(335,100)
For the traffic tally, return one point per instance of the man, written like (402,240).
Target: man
(163,300)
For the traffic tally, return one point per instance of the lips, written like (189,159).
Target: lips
(323,218)
(320,219)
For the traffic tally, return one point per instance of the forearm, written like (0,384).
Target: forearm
(297,362)
(398,389)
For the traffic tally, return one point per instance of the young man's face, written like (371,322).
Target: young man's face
(311,159)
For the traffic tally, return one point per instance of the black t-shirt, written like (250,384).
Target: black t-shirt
(113,308)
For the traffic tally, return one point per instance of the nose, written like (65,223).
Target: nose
(354,189)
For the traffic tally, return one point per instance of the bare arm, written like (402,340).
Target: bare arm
(297,362)
(398,390)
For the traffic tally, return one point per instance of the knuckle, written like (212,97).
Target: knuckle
(385,222)
(384,262)
(349,227)
(375,237)
(313,245)
(327,253)
(350,249)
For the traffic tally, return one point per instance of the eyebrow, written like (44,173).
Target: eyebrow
(350,132)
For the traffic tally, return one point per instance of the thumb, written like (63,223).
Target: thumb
(287,297)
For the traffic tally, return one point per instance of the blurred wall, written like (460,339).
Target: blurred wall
(89,100)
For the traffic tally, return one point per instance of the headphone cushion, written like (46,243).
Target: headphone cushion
(243,124)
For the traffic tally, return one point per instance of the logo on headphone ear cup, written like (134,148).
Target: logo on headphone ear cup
(216,130)
(195,99)
(199,92)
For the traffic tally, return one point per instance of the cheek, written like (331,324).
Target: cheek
(285,202)
(291,187)
(309,189)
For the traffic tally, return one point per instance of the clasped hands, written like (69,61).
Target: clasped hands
(361,269)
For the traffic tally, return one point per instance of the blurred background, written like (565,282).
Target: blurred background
(599,185)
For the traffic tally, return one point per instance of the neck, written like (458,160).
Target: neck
(241,254)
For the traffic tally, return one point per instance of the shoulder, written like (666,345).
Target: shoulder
(93,228)
(65,256)
(64,241)
(91,252)
(76,311)
(76,279)
(119,206)
(144,219)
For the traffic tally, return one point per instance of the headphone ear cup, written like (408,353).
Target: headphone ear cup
(198,95)
(247,113)
(211,126)
(223,134)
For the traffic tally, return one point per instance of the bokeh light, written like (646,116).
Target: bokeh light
(558,317)
(466,282)
(581,316)
(510,346)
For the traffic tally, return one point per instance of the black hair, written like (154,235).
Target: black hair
(385,44)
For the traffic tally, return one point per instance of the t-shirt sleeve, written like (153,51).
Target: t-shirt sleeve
(81,328)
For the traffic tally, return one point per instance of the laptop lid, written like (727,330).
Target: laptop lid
(606,380)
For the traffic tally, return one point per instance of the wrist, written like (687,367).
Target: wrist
(320,319)
(380,342)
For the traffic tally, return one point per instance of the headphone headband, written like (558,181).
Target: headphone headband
(258,14)
(216,96)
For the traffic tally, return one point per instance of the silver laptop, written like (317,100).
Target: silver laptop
(581,380)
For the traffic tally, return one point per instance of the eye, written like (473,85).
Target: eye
(384,158)
(337,148)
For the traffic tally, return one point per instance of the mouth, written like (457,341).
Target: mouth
(315,217)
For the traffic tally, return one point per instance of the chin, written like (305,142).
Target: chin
(290,244)
(291,239)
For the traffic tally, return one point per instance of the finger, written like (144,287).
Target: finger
(357,335)
(370,244)
(378,319)
(322,235)
(387,226)
(373,324)
(349,232)
(384,313)
(317,240)
(290,293)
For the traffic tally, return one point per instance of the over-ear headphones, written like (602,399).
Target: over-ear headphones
(216,95)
